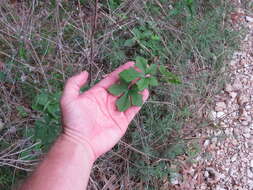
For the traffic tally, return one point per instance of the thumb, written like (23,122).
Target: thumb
(73,85)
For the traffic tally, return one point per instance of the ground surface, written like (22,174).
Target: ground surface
(42,43)
(227,159)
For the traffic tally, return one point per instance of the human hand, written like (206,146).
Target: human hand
(92,118)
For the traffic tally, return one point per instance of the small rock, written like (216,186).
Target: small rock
(218,187)
(250,174)
(245,123)
(220,114)
(250,184)
(246,130)
(251,163)
(222,176)
(237,84)
(233,95)
(247,135)
(198,158)
(228,88)
(223,125)
(234,158)
(214,140)
(217,133)
(203,186)
(175,178)
(1,125)
(248,118)
(242,99)
(206,143)
(206,174)
(213,115)
(12,130)
(249,19)
(228,131)
(214,176)
(191,171)
(23,78)
(234,142)
(248,107)
(220,106)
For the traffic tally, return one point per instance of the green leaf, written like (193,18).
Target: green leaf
(54,110)
(129,42)
(189,2)
(137,33)
(118,89)
(176,150)
(141,63)
(42,99)
(114,4)
(134,88)
(130,75)
(169,76)
(152,69)
(136,98)
(153,81)
(162,69)
(22,52)
(53,3)
(143,83)
(21,111)
(123,103)
(2,76)
(155,37)
(82,2)
(175,81)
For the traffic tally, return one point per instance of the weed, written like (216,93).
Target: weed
(5,178)
(48,127)
(132,82)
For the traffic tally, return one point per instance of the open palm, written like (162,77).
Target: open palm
(92,117)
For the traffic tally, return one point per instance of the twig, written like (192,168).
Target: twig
(94,26)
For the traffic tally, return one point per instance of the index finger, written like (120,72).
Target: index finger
(114,76)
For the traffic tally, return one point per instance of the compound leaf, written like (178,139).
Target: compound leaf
(152,69)
(153,81)
(118,89)
(143,83)
(42,99)
(123,103)
(129,42)
(141,63)
(134,88)
(169,76)
(129,75)
(136,98)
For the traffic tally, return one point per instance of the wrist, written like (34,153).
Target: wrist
(84,146)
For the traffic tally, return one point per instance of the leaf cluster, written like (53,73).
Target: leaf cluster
(133,81)
(48,105)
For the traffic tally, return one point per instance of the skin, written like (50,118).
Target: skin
(91,126)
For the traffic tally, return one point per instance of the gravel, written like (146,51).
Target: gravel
(233,157)
(226,162)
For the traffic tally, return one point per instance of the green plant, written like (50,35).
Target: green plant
(187,37)
(5,178)
(114,4)
(132,82)
(48,126)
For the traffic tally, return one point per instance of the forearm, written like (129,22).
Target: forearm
(67,166)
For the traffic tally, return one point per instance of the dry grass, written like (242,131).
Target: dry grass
(42,44)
